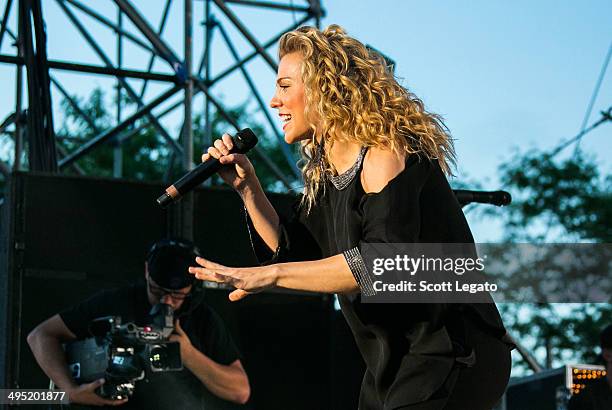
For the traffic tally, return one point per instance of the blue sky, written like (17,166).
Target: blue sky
(502,74)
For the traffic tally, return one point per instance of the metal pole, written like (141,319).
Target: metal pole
(265,4)
(186,211)
(93,69)
(106,135)
(269,163)
(162,48)
(317,11)
(125,85)
(253,54)
(531,361)
(209,25)
(247,34)
(118,149)
(62,151)
(7,11)
(18,140)
(187,123)
(162,25)
(74,105)
(18,120)
(116,27)
(262,105)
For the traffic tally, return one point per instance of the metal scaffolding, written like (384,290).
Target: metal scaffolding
(35,124)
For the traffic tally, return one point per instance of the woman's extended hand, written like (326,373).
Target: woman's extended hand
(241,173)
(245,280)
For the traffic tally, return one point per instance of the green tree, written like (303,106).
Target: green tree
(146,155)
(556,200)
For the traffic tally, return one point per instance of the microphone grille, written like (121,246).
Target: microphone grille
(245,140)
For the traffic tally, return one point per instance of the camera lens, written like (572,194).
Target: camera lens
(158,357)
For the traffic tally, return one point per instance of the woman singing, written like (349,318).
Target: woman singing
(374,165)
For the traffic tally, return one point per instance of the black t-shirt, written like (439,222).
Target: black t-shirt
(166,390)
(596,396)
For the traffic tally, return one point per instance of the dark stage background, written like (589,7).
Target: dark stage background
(64,238)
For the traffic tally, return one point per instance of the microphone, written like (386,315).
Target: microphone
(499,198)
(243,142)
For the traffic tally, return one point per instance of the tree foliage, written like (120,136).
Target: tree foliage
(146,155)
(556,200)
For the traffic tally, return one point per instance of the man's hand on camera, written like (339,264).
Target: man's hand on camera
(86,394)
(181,337)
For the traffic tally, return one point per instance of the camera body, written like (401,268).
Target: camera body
(122,354)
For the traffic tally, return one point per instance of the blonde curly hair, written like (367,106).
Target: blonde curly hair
(352,95)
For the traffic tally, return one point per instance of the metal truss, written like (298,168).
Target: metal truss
(183,78)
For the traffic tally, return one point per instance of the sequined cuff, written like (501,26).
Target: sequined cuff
(359,271)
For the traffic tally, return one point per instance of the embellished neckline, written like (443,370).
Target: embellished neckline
(342,180)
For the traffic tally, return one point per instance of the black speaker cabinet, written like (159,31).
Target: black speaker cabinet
(65,238)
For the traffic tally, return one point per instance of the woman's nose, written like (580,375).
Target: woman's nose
(275,102)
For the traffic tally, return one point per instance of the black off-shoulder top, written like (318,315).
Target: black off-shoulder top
(409,349)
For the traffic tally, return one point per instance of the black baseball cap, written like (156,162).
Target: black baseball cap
(168,261)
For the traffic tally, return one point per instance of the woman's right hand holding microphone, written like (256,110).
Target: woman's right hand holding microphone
(241,176)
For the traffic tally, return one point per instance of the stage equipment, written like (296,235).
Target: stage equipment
(123,353)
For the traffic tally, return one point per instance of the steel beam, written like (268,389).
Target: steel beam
(112,71)
(206,62)
(187,122)
(76,106)
(117,28)
(62,151)
(317,11)
(266,4)
(162,25)
(247,34)
(108,134)
(18,104)
(93,69)
(253,54)
(4,24)
(12,118)
(183,79)
(262,105)
(231,121)
(124,83)
(118,149)
(162,48)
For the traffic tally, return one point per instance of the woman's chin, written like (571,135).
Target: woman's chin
(291,137)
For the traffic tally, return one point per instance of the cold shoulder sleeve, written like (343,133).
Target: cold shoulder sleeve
(393,215)
(295,242)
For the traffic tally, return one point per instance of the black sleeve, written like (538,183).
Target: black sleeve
(392,215)
(295,243)
(218,344)
(78,317)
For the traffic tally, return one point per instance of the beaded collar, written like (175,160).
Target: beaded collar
(341,181)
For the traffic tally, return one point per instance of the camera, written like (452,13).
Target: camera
(122,353)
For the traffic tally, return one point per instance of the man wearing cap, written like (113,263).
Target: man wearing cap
(597,395)
(212,377)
